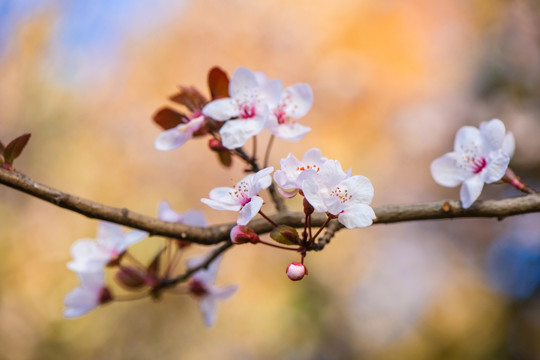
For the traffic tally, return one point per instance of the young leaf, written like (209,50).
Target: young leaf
(218,82)
(15,147)
(168,118)
(2,147)
(225,158)
(190,98)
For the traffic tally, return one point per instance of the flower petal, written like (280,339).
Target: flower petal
(249,210)
(492,133)
(509,144)
(301,99)
(222,109)
(243,82)
(290,131)
(446,172)
(496,167)
(356,216)
(235,133)
(470,191)
(467,137)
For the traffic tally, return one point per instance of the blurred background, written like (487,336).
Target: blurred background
(392,82)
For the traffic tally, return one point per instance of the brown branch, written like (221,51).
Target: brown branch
(218,233)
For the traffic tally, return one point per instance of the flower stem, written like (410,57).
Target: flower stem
(268,148)
(267,218)
(512,179)
(312,239)
(279,246)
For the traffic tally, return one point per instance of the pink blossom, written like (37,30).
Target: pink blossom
(172,138)
(91,293)
(480,156)
(295,102)
(91,255)
(201,285)
(191,217)
(243,197)
(293,171)
(247,109)
(335,192)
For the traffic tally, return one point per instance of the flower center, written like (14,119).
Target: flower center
(241,193)
(342,194)
(247,110)
(308,167)
(479,164)
(197,288)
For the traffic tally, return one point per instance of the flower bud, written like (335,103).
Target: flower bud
(296,271)
(216,145)
(241,234)
(285,234)
(308,209)
(130,278)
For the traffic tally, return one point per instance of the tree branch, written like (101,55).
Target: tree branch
(218,233)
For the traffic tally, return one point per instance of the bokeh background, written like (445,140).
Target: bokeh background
(393,81)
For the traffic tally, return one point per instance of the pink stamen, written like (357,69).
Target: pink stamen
(479,165)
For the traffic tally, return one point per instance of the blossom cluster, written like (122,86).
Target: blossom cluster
(252,103)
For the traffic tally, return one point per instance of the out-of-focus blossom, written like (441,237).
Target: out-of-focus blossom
(243,197)
(191,217)
(91,255)
(346,197)
(201,285)
(172,138)
(293,171)
(91,293)
(480,156)
(295,102)
(247,109)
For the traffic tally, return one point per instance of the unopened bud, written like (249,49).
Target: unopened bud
(241,234)
(296,271)
(308,209)
(105,296)
(130,278)
(285,234)
(216,145)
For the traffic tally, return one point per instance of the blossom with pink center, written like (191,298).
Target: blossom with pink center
(480,156)
(335,192)
(201,285)
(243,197)
(295,102)
(247,109)
(177,136)
(91,255)
(191,217)
(91,293)
(293,171)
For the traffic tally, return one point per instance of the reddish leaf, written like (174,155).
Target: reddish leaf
(167,118)
(155,265)
(2,147)
(15,147)
(190,98)
(225,158)
(218,82)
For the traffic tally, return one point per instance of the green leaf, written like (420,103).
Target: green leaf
(218,82)
(285,234)
(15,147)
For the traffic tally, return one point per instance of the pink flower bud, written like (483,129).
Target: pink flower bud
(241,234)
(296,271)
(130,278)
(216,145)
(308,209)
